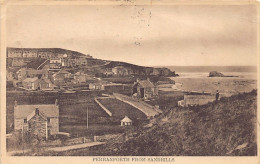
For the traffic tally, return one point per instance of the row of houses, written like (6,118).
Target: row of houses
(32,79)
(34,53)
(53,63)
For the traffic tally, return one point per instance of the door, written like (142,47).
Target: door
(142,92)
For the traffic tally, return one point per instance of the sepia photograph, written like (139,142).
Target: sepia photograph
(126,79)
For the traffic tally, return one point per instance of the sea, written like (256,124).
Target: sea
(203,71)
(196,78)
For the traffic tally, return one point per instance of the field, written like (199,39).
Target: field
(120,109)
(73,111)
(226,128)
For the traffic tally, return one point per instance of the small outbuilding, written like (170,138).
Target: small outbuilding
(126,121)
(144,89)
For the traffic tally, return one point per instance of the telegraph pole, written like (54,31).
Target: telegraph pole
(87,117)
(23,137)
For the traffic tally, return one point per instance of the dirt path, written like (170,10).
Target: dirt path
(73,147)
(147,109)
(59,149)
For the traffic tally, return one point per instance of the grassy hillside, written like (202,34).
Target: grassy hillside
(225,128)
(120,109)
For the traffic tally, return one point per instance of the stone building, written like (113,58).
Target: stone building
(144,89)
(18,62)
(55,60)
(40,120)
(192,100)
(44,55)
(24,73)
(30,54)
(80,77)
(60,77)
(14,53)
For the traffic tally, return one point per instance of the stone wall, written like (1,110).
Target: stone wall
(37,126)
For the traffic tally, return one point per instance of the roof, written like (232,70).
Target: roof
(63,71)
(30,79)
(60,72)
(146,83)
(46,80)
(126,119)
(48,110)
(113,84)
(37,71)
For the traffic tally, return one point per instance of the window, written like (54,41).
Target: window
(48,120)
(25,121)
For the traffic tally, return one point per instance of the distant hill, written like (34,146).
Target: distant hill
(141,70)
(70,53)
(225,128)
(98,65)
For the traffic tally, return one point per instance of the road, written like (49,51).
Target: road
(73,147)
(60,149)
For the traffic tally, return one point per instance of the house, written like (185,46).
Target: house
(95,86)
(60,77)
(40,120)
(71,62)
(191,100)
(46,84)
(126,121)
(65,62)
(9,75)
(21,74)
(83,60)
(104,85)
(121,71)
(144,89)
(80,77)
(14,53)
(30,54)
(18,62)
(108,73)
(112,87)
(24,73)
(55,60)
(31,83)
(54,66)
(44,55)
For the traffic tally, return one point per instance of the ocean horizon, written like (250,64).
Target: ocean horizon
(211,68)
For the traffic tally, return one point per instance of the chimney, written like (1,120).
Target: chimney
(36,111)
(15,103)
(56,102)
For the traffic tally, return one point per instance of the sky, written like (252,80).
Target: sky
(151,35)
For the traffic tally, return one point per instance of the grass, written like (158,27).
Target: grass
(73,112)
(73,107)
(120,109)
(214,129)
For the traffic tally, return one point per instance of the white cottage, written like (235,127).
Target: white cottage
(126,121)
